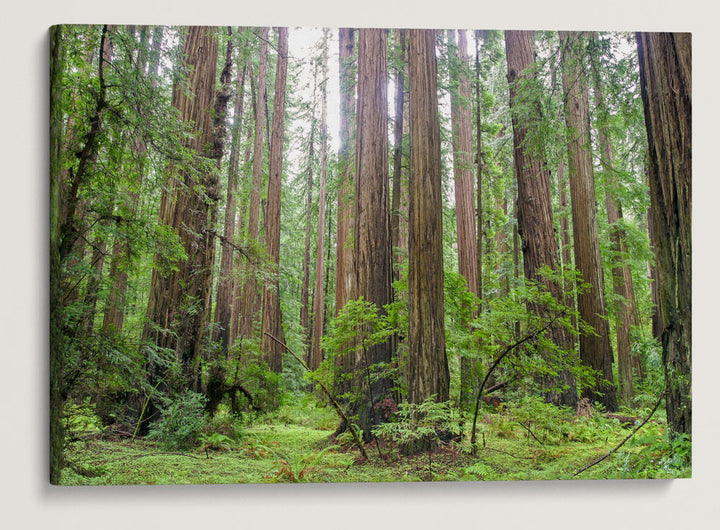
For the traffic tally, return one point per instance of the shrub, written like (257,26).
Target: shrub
(182,420)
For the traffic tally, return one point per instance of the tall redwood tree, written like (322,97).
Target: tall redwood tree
(666,88)
(428,372)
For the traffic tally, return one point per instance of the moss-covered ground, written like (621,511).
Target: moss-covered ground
(293,444)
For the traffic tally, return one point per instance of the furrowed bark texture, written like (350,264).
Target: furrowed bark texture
(224,302)
(215,387)
(305,289)
(272,316)
(344,273)
(621,276)
(428,373)
(372,265)
(398,152)
(534,208)
(666,88)
(319,298)
(177,313)
(250,296)
(595,349)
(461,119)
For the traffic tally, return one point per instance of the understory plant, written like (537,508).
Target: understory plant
(182,419)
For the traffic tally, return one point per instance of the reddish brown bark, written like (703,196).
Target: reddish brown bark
(372,256)
(271,315)
(316,354)
(535,224)
(224,299)
(398,154)
(344,272)
(469,255)
(666,88)
(428,373)
(177,313)
(250,297)
(621,275)
(595,349)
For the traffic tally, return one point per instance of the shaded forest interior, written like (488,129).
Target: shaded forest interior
(416,231)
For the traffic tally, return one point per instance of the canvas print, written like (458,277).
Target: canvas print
(368,255)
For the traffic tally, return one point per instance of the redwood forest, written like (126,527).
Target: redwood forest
(293,254)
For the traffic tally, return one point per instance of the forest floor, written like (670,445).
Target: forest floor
(293,444)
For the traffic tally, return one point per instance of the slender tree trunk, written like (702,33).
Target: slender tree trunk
(344,272)
(224,300)
(398,153)
(502,247)
(565,241)
(595,349)
(250,296)
(534,209)
(621,276)
(479,166)
(657,317)
(240,221)
(666,88)
(272,316)
(428,373)
(319,297)
(216,386)
(461,119)
(305,290)
(92,289)
(122,257)
(372,257)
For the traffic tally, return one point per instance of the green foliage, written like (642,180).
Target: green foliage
(359,325)
(181,422)
(420,423)
(300,467)
(215,442)
(543,422)
(263,384)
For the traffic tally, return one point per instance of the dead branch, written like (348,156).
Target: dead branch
(618,446)
(335,404)
(531,433)
(495,364)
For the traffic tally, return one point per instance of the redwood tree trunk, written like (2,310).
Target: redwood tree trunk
(428,373)
(250,296)
(398,152)
(621,276)
(595,349)
(666,88)
(177,313)
(305,289)
(372,263)
(344,271)
(461,119)
(272,316)
(535,224)
(319,296)
(224,302)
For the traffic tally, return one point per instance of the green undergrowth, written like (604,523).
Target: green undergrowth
(522,441)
